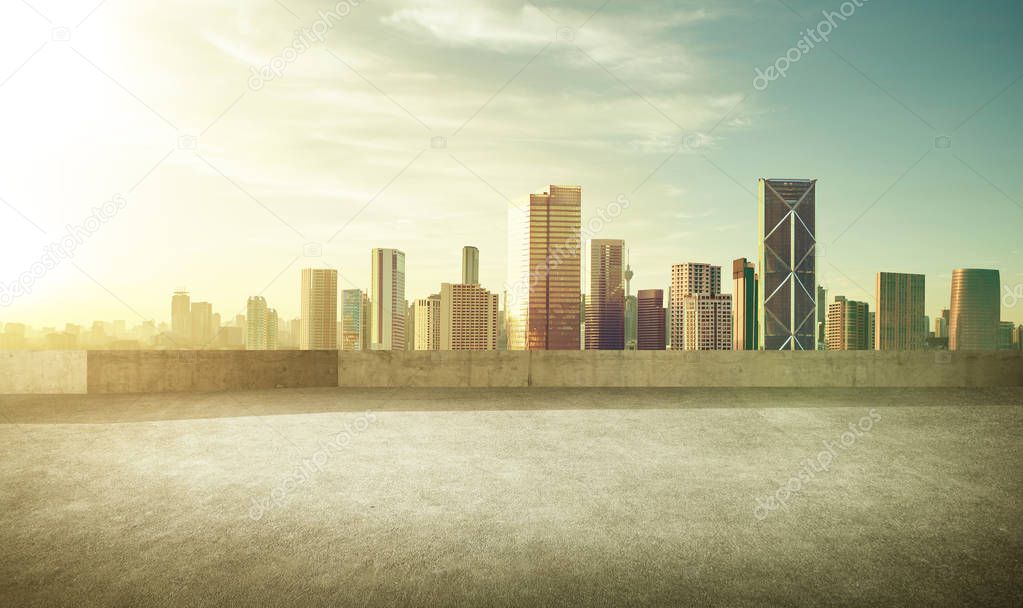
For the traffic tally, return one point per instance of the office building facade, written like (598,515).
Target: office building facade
(319,309)
(900,323)
(470,266)
(545,265)
(651,317)
(976,309)
(605,310)
(744,305)
(787,262)
(388,319)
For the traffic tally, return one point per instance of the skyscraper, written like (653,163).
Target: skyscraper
(744,305)
(201,314)
(388,296)
(367,324)
(273,328)
(941,325)
(975,311)
(1005,337)
(687,280)
(899,312)
(848,326)
(319,309)
(544,313)
(787,293)
(181,320)
(822,317)
(605,310)
(351,319)
(650,332)
(255,323)
(468,318)
(426,312)
(470,266)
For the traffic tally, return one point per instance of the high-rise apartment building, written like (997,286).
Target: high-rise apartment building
(744,305)
(319,309)
(256,323)
(545,265)
(468,317)
(976,309)
(650,331)
(273,329)
(605,310)
(470,266)
(352,305)
(689,280)
(707,321)
(426,313)
(787,293)
(848,326)
(390,308)
(900,323)
(181,320)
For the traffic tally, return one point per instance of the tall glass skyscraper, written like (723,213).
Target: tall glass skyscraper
(545,265)
(788,272)
(900,323)
(319,309)
(352,319)
(470,265)
(650,332)
(605,310)
(389,307)
(976,309)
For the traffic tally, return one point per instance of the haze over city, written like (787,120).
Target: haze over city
(233,182)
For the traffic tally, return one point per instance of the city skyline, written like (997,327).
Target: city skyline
(902,147)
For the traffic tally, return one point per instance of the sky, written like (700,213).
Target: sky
(418,125)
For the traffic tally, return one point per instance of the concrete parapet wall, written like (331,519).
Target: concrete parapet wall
(183,370)
(434,369)
(42,372)
(681,369)
(61,372)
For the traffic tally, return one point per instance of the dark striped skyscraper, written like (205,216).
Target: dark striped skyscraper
(650,332)
(976,309)
(605,310)
(788,271)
